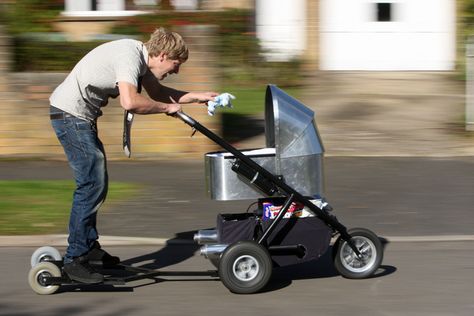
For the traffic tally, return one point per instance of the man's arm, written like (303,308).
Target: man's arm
(134,102)
(161,93)
(158,92)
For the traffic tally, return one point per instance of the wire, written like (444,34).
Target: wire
(251,204)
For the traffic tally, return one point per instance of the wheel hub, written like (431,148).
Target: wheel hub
(43,277)
(46,257)
(245,268)
(367,258)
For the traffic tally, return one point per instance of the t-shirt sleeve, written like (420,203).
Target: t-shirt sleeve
(127,69)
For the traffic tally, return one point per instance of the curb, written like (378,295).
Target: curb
(434,238)
(61,240)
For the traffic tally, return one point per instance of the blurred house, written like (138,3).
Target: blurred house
(331,34)
(85,19)
(361,34)
(388,34)
(371,36)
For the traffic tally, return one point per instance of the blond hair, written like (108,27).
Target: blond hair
(170,43)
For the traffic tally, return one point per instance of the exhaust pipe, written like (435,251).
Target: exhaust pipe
(213,251)
(208,236)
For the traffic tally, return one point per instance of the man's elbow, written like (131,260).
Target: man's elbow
(128,104)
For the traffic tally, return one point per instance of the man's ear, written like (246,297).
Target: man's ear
(162,56)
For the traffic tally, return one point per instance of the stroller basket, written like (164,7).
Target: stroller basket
(294,240)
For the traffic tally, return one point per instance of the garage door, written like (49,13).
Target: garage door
(387,35)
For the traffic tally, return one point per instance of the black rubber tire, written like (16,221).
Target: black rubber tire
(245,267)
(347,263)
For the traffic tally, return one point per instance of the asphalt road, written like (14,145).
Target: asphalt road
(396,197)
(393,196)
(417,278)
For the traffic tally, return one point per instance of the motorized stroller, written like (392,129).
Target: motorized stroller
(291,224)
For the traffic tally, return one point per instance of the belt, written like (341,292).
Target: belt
(58,114)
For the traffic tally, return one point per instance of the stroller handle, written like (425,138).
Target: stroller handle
(185,118)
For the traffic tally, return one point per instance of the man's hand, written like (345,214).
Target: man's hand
(173,107)
(200,97)
(203,97)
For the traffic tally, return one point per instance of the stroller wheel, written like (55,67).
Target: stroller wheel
(245,267)
(346,261)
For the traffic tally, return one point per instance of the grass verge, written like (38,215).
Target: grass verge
(42,207)
(251,100)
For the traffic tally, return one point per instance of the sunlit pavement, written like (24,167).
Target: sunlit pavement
(416,278)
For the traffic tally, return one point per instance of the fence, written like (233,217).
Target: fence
(25,129)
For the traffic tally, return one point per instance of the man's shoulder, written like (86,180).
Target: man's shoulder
(128,41)
(126,48)
(122,49)
(121,44)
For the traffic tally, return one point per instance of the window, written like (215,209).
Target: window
(384,12)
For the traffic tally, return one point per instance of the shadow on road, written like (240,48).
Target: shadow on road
(316,269)
(177,250)
(147,268)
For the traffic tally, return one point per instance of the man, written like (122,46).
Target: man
(117,68)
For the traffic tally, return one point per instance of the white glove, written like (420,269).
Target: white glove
(222,100)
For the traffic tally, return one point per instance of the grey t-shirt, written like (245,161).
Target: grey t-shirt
(95,77)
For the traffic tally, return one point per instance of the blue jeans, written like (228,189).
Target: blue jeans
(86,156)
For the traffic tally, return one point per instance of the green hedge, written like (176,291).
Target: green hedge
(23,16)
(238,50)
(31,55)
(468,17)
(465,30)
(237,46)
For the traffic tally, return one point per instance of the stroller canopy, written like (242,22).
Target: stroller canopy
(290,126)
(293,151)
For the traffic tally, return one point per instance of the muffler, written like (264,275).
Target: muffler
(213,251)
(206,236)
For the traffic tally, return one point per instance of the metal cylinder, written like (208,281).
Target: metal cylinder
(208,236)
(213,251)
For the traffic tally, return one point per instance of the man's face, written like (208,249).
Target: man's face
(162,66)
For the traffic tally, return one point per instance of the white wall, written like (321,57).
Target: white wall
(421,35)
(281,27)
(77,5)
(110,5)
(102,5)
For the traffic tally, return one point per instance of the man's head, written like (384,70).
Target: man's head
(169,43)
(166,51)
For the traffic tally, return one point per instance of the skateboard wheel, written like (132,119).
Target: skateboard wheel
(46,253)
(37,278)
